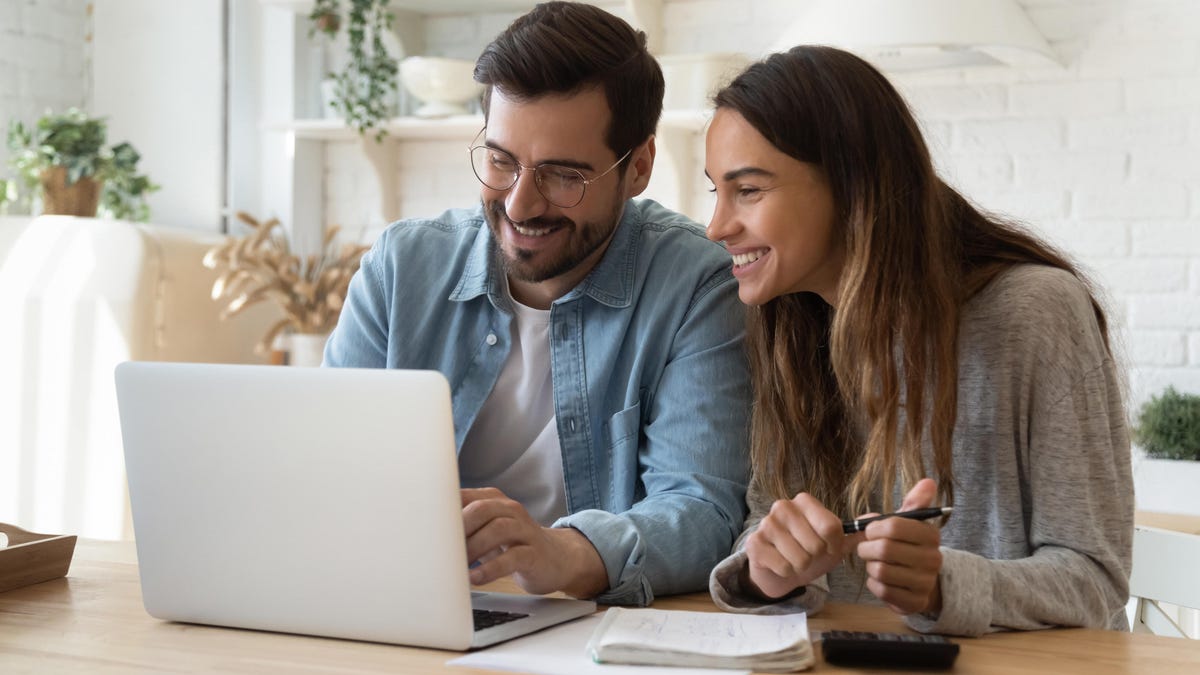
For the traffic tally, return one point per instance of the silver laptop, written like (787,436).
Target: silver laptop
(307,500)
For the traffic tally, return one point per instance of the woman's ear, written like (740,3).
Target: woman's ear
(641,164)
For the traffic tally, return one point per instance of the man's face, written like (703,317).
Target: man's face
(545,245)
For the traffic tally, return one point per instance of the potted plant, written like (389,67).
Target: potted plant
(65,159)
(365,88)
(262,266)
(1168,430)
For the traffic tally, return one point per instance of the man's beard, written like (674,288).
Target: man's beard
(582,242)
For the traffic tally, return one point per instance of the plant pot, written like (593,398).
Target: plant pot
(78,199)
(306,350)
(1167,485)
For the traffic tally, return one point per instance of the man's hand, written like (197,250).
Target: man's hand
(504,539)
(902,558)
(797,541)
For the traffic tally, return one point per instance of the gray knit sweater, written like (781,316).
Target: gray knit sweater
(1043,514)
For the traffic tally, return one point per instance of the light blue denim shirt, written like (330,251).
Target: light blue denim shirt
(651,384)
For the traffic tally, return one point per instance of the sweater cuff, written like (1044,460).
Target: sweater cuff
(728,594)
(966,581)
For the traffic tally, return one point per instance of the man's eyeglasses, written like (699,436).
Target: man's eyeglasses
(562,186)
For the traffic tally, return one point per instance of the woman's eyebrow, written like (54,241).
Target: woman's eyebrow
(734,174)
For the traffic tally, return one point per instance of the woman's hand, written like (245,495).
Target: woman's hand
(902,558)
(798,541)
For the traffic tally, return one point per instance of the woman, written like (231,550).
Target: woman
(908,351)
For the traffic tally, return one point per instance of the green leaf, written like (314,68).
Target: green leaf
(361,89)
(1169,426)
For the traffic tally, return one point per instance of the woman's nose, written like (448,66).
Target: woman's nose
(718,225)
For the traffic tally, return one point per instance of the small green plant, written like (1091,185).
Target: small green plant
(362,90)
(1169,426)
(76,142)
(8,193)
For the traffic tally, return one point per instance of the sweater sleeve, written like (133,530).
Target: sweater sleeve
(725,581)
(728,594)
(1075,495)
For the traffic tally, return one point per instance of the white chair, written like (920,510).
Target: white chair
(1166,569)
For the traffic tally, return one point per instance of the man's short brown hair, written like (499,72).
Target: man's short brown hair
(566,47)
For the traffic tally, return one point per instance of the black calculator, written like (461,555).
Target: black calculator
(887,650)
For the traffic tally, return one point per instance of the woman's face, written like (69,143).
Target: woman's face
(774,213)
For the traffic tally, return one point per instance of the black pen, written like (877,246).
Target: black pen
(852,526)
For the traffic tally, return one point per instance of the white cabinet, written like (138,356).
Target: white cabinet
(292,152)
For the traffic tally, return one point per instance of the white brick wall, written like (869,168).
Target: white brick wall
(1101,156)
(43,60)
(1157,348)
(1131,130)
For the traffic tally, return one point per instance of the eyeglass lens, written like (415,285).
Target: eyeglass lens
(560,185)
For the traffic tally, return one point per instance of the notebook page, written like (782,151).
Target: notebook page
(708,633)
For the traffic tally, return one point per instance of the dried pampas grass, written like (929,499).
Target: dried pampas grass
(261,266)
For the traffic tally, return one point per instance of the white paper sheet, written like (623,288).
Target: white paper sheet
(562,649)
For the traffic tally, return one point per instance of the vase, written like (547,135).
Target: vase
(1166,485)
(306,349)
(77,199)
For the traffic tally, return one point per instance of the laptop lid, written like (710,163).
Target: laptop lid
(303,500)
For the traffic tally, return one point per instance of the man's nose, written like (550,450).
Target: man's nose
(523,200)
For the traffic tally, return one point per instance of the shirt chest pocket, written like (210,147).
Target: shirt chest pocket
(625,426)
(624,435)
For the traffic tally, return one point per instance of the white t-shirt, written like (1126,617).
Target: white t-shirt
(513,445)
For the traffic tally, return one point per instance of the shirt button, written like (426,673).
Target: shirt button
(491,339)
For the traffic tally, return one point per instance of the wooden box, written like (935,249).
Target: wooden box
(32,558)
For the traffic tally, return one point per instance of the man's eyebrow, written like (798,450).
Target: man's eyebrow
(569,163)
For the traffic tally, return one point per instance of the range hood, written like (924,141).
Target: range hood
(900,35)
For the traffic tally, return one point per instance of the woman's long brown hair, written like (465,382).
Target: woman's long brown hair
(832,382)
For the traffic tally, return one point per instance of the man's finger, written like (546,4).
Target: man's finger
(469,495)
(498,533)
(497,567)
(479,513)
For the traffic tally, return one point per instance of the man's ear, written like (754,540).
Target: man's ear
(641,163)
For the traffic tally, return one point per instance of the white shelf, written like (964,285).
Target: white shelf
(424,6)
(414,128)
(447,128)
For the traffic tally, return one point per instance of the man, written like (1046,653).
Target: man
(593,343)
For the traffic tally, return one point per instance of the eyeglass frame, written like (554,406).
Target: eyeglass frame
(536,181)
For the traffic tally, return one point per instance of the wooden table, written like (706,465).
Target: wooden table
(1177,522)
(93,622)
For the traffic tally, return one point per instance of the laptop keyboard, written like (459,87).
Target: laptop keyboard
(486,618)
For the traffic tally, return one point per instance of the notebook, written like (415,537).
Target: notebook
(759,642)
(306,500)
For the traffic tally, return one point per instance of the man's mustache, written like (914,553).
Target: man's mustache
(497,210)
